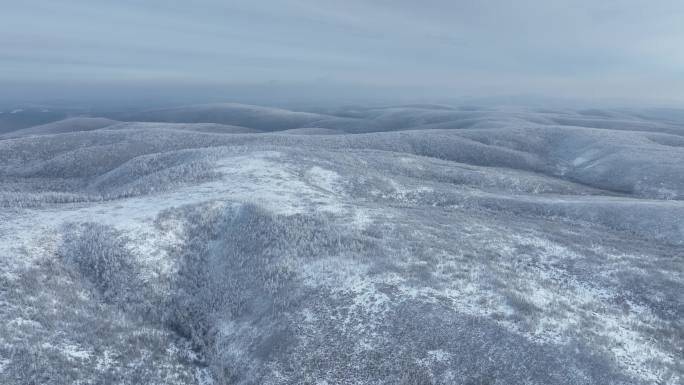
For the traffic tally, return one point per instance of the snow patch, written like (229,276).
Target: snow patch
(325,179)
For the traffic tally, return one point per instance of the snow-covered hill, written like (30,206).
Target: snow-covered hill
(398,245)
(61,126)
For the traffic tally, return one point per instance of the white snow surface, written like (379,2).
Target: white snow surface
(482,261)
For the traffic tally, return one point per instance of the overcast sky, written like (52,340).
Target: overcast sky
(573,48)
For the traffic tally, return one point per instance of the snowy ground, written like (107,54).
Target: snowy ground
(493,255)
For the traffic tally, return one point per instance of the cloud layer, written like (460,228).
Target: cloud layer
(613,48)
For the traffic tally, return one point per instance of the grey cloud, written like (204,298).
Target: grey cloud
(458,47)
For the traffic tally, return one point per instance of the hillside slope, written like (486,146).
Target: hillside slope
(62,126)
(510,250)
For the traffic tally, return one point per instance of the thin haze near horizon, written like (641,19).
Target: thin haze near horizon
(574,48)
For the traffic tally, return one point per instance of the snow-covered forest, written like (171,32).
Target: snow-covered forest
(412,244)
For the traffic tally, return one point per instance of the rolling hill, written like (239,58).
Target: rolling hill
(414,244)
